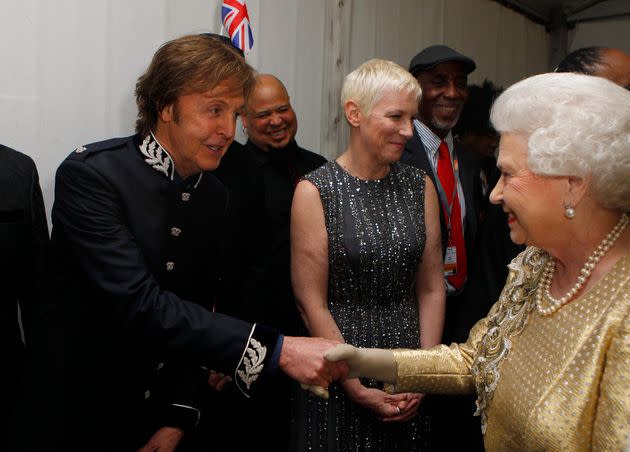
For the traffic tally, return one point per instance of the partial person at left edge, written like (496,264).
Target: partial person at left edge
(136,229)
(23,245)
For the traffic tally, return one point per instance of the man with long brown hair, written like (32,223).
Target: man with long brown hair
(137,223)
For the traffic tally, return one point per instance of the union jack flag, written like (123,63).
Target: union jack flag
(236,22)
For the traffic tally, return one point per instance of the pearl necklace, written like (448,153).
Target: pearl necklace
(542,292)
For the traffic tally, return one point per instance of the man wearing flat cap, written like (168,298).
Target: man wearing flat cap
(443,75)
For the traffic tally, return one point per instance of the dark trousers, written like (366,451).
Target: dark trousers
(454,426)
(231,422)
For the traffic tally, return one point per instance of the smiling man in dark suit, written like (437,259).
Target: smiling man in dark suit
(443,75)
(260,178)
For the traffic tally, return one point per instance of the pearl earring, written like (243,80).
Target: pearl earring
(569,211)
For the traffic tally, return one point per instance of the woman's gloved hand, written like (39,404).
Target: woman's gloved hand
(375,363)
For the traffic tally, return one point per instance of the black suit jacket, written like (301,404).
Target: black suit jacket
(23,245)
(495,250)
(257,249)
(134,269)
(257,286)
(415,155)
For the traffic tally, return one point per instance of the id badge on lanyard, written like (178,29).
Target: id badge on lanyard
(450,260)
(450,256)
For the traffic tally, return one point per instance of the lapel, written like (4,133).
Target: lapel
(469,177)
(415,155)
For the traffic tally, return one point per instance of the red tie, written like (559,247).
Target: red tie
(447,179)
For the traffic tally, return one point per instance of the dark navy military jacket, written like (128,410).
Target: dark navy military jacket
(134,262)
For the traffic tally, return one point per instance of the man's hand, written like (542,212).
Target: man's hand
(302,358)
(165,439)
(217,381)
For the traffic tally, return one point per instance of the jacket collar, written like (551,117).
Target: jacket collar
(261,157)
(157,157)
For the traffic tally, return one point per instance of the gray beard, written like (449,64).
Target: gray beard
(446,126)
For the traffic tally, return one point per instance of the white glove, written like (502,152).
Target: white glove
(375,363)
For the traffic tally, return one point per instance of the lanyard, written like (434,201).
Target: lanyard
(448,207)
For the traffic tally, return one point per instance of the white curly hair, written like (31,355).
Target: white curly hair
(576,125)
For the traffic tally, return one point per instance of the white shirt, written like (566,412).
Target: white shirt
(431,144)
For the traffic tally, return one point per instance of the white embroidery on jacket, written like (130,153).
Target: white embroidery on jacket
(157,157)
(251,364)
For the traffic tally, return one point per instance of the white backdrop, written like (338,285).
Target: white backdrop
(505,45)
(69,66)
(606,32)
(69,69)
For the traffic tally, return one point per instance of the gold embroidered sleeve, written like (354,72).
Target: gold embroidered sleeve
(611,430)
(441,369)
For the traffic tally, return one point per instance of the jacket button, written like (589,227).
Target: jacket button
(175,232)
(185,196)
(170,266)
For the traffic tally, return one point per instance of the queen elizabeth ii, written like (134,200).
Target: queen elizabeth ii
(550,363)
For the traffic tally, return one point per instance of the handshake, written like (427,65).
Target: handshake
(316,363)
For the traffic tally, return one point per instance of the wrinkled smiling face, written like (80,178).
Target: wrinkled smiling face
(269,118)
(533,203)
(199,127)
(444,93)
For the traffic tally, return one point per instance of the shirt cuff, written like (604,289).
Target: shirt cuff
(274,361)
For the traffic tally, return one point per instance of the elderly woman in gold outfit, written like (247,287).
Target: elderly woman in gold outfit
(551,362)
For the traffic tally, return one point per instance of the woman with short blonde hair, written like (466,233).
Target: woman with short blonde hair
(366,263)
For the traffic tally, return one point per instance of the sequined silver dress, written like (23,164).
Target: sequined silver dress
(376,237)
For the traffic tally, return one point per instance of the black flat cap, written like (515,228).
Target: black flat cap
(434,55)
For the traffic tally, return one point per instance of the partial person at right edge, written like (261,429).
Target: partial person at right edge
(607,62)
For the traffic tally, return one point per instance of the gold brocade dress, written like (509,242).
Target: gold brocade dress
(544,383)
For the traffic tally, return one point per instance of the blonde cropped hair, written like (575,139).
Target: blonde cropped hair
(575,125)
(367,84)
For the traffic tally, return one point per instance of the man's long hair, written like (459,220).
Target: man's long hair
(190,64)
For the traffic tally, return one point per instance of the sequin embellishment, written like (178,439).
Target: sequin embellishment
(515,305)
